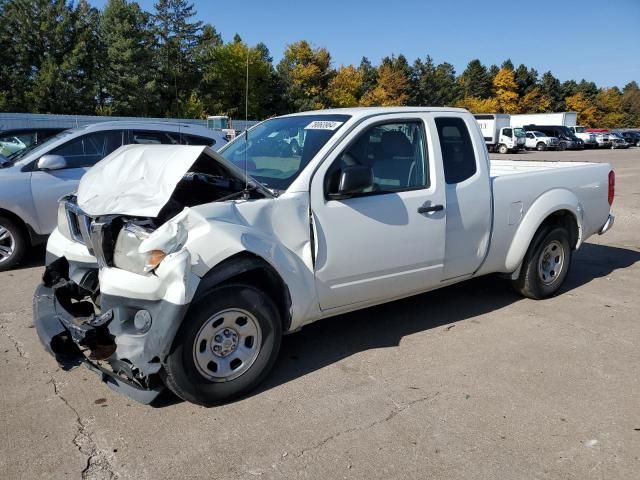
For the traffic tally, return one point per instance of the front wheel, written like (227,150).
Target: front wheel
(13,243)
(545,265)
(225,347)
(541,147)
(562,146)
(503,149)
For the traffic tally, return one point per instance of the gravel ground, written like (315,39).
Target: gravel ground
(467,382)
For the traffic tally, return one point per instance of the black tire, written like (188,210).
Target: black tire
(541,147)
(181,374)
(562,146)
(503,149)
(530,282)
(13,244)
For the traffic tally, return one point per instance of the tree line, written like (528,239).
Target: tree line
(61,57)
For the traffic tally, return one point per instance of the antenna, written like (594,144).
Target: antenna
(246,130)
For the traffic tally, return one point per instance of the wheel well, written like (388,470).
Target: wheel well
(252,270)
(26,229)
(567,220)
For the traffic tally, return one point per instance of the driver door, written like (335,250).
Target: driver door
(387,242)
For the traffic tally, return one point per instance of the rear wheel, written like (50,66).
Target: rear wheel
(541,146)
(225,347)
(503,149)
(13,243)
(545,265)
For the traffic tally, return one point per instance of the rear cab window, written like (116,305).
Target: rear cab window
(458,156)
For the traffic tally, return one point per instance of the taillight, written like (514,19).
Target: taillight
(612,186)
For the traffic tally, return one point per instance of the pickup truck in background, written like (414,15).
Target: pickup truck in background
(183,268)
(588,138)
(539,141)
(498,134)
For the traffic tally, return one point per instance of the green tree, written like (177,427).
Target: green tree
(534,101)
(526,79)
(127,85)
(631,105)
(305,74)
(177,46)
(550,87)
(369,76)
(609,108)
(223,85)
(476,81)
(433,85)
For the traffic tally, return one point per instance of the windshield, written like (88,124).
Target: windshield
(38,147)
(277,150)
(519,132)
(579,129)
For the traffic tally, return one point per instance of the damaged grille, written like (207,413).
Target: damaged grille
(79,224)
(95,234)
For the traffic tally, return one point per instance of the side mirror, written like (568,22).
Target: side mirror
(52,162)
(353,180)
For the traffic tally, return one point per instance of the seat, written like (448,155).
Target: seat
(392,166)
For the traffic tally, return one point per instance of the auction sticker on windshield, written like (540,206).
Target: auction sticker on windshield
(323,125)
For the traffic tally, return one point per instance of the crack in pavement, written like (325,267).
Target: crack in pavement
(98,464)
(17,344)
(394,412)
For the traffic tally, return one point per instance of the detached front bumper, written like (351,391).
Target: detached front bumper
(124,340)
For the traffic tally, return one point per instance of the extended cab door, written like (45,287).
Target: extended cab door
(468,193)
(389,241)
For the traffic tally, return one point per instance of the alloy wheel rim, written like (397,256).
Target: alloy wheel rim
(551,262)
(227,344)
(7,244)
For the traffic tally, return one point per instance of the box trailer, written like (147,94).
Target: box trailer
(566,119)
(498,133)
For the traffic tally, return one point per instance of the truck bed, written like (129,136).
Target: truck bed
(519,185)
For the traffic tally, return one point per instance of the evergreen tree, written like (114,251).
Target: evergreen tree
(127,85)
(369,76)
(476,81)
(526,79)
(177,46)
(433,85)
(631,105)
(550,87)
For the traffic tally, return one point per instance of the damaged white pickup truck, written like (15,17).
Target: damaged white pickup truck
(181,267)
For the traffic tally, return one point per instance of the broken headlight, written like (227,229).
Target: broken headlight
(63,220)
(127,254)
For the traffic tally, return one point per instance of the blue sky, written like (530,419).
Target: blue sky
(596,40)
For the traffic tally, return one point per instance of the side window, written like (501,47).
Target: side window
(507,132)
(89,149)
(396,152)
(530,135)
(458,158)
(196,140)
(153,138)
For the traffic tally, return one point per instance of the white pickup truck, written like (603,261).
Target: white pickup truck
(181,267)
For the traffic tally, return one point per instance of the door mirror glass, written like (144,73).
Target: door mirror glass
(52,162)
(353,180)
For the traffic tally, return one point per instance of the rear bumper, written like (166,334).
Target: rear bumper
(126,354)
(608,224)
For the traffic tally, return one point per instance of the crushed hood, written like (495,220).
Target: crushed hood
(139,180)
(135,179)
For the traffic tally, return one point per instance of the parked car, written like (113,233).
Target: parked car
(589,139)
(17,139)
(567,140)
(539,141)
(33,180)
(632,137)
(185,272)
(618,141)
